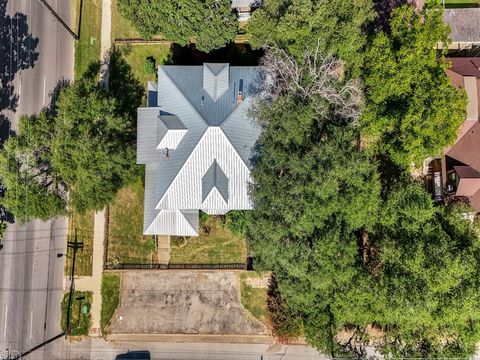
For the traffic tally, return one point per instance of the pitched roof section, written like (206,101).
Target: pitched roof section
(466,66)
(467,149)
(465,24)
(465,73)
(204,124)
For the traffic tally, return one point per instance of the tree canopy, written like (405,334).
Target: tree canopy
(295,24)
(76,156)
(360,257)
(413,111)
(211,22)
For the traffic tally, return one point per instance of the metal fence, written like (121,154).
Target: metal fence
(156,266)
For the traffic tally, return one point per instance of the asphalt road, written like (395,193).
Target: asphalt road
(99,349)
(31,274)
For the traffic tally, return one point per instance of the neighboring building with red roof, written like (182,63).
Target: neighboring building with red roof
(461,165)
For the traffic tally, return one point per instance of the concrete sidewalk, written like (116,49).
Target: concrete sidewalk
(94,283)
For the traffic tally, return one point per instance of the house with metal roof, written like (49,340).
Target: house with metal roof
(196,139)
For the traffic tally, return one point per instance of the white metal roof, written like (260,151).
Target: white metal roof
(196,141)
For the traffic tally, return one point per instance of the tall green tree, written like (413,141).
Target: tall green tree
(413,111)
(355,260)
(211,22)
(33,188)
(76,156)
(293,25)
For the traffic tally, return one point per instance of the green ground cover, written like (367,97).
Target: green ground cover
(126,242)
(121,27)
(83,223)
(137,55)
(253,299)
(110,298)
(216,244)
(87,49)
(79,322)
(460,3)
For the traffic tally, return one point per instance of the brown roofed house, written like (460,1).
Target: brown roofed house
(461,166)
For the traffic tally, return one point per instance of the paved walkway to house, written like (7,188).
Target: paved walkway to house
(183,302)
(94,283)
(106,40)
(163,253)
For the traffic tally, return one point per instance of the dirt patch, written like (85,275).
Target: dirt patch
(182,302)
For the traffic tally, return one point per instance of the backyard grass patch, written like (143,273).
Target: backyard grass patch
(83,224)
(87,49)
(216,244)
(137,55)
(253,299)
(126,242)
(110,298)
(80,318)
(121,27)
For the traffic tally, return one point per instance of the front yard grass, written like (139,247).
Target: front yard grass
(83,223)
(110,298)
(253,299)
(79,322)
(126,243)
(87,49)
(216,244)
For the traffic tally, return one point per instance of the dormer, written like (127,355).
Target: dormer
(215,79)
(170,131)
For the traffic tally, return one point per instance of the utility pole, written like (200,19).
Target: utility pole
(75,245)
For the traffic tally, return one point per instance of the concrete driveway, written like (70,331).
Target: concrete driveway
(182,302)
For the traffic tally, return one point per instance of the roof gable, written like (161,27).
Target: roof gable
(467,149)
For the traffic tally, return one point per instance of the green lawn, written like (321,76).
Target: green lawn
(121,27)
(136,56)
(126,243)
(87,49)
(110,298)
(216,244)
(461,3)
(79,322)
(253,299)
(83,223)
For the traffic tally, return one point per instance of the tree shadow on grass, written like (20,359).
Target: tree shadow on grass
(123,85)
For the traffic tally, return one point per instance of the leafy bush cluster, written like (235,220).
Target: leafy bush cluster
(209,23)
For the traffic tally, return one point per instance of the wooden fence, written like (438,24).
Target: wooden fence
(156,266)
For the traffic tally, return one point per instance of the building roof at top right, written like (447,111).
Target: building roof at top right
(465,24)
